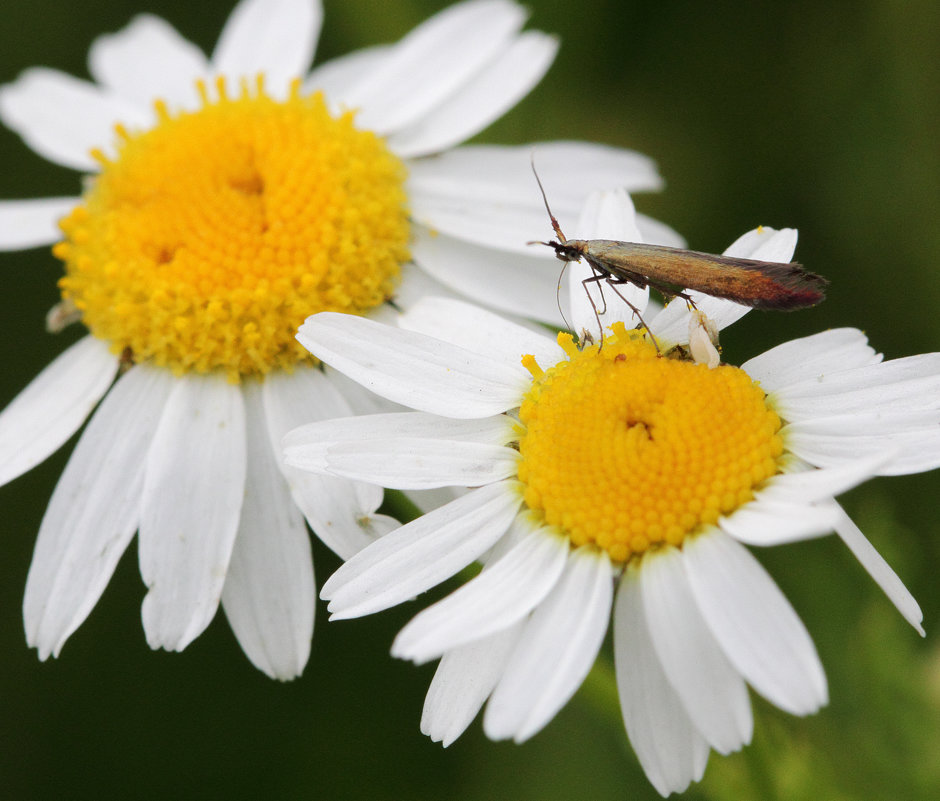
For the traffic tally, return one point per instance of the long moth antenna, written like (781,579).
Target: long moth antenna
(555,225)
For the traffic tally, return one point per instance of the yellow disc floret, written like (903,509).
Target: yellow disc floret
(625,449)
(207,241)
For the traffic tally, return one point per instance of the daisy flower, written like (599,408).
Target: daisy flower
(231,197)
(613,484)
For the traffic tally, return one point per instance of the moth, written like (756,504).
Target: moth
(673,271)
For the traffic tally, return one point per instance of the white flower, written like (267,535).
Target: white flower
(232,200)
(612,482)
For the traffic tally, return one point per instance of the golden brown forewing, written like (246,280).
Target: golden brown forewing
(760,284)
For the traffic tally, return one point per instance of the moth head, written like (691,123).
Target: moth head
(563,251)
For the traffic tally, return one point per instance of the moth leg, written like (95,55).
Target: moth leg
(598,276)
(561,311)
(596,279)
(688,301)
(670,295)
(613,281)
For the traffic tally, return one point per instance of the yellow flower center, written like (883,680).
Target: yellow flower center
(625,449)
(210,237)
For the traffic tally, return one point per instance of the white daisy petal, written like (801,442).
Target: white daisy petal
(606,215)
(913,436)
(434,61)
(754,623)
(765,522)
(489,94)
(304,395)
(337,76)
(421,463)
(609,215)
(424,373)
(269,593)
(63,118)
(919,450)
(765,244)
(274,37)
(713,693)
(883,422)
(797,505)
(480,331)
(810,357)
(555,650)
(573,170)
(94,510)
(314,440)
(658,233)
(192,497)
(331,504)
(147,60)
(416,284)
(518,283)
(53,406)
(423,553)
(671,750)
(505,592)
(428,499)
(880,571)
(463,681)
(812,485)
(360,399)
(877,423)
(487,194)
(34,222)
(671,325)
(340,512)
(909,384)
(406,451)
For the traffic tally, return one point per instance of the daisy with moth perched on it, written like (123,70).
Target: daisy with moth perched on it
(613,486)
(231,197)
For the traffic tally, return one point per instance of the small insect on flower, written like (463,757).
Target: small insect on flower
(672,271)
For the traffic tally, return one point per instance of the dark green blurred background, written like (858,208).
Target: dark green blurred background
(819,115)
